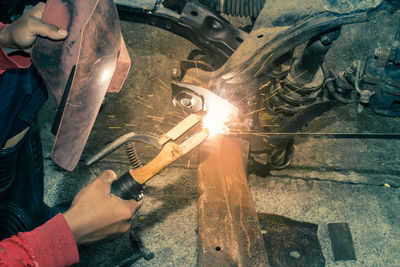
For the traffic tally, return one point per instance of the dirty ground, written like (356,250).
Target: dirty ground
(329,181)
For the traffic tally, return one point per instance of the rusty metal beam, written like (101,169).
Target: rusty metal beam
(229,232)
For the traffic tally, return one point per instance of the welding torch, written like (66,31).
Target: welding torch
(130,185)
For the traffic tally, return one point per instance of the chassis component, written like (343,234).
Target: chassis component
(274,74)
(191,20)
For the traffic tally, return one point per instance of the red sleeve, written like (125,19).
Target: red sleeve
(15,60)
(51,244)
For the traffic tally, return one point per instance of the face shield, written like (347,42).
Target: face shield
(79,70)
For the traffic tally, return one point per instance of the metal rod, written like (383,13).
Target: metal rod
(328,135)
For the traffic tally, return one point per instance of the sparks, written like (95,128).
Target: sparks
(218,114)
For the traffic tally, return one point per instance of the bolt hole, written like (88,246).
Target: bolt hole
(260,36)
(194,13)
(218,248)
(239,39)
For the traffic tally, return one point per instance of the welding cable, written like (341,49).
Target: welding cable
(150,139)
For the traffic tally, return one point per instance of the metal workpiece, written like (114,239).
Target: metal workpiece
(193,21)
(254,58)
(276,32)
(198,98)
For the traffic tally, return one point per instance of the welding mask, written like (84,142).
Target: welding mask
(79,70)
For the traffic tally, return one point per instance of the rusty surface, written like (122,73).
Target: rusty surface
(341,241)
(228,229)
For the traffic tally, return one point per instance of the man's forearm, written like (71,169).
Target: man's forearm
(51,244)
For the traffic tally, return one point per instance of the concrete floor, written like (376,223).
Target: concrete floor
(354,181)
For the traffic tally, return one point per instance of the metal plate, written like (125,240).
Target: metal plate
(341,241)
(289,242)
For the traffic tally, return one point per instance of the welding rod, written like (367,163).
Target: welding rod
(328,135)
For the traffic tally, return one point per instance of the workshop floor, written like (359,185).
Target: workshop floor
(354,181)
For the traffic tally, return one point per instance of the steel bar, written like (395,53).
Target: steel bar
(229,233)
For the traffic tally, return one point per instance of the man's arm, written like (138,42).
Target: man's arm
(95,214)
(51,244)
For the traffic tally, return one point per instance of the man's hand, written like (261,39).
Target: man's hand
(96,214)
(22,33)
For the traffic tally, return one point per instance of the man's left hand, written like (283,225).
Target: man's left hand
(22,33)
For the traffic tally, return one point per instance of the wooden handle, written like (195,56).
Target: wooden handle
(168,154)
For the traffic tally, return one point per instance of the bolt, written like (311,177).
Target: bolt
(365,96)
(325,40)
(215,25)
(174,74)
(377,52)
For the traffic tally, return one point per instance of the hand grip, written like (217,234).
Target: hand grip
(127,188)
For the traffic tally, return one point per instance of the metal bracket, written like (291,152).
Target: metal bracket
(190,20)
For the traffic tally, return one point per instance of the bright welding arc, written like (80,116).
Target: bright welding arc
(218,114)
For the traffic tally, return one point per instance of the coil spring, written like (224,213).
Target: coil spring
(289,98)
(242,8)
(246,8)
(133,156)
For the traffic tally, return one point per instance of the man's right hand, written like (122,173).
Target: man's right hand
(96,214)
(22,33)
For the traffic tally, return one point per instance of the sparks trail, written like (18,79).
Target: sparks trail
(280,86)
(275,91)
(176,114)
(141,98)
(165,86)
(265,85)
(155,118)
(158,129)
(197,69)
(150,107)
(254,97)
(266,140)
(263,65)
(172,124)
(281,106)
(253,112)
(244,98)
(252,104)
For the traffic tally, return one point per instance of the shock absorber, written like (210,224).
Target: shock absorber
(299,90)
(303,85)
